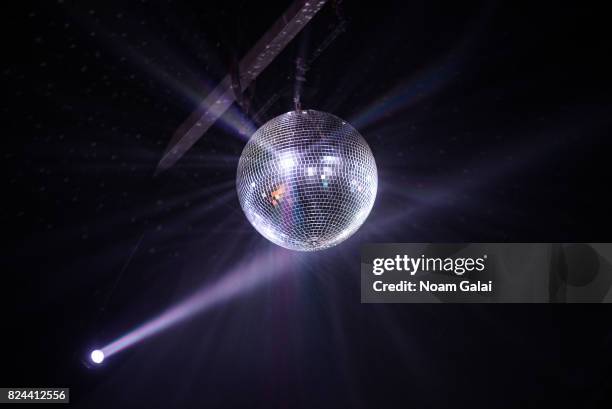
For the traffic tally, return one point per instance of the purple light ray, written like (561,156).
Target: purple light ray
(245,277)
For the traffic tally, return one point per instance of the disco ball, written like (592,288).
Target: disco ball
(306,180)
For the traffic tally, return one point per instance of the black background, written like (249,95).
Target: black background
(496,129)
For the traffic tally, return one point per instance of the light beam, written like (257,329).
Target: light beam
(241,279)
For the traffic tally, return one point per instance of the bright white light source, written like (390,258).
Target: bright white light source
(329,159)
(287,162)
(97,356)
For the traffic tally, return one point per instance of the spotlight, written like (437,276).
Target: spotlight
(97,356)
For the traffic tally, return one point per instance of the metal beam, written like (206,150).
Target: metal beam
(251,65)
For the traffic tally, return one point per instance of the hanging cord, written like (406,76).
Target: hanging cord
(302,65)
(300,79)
